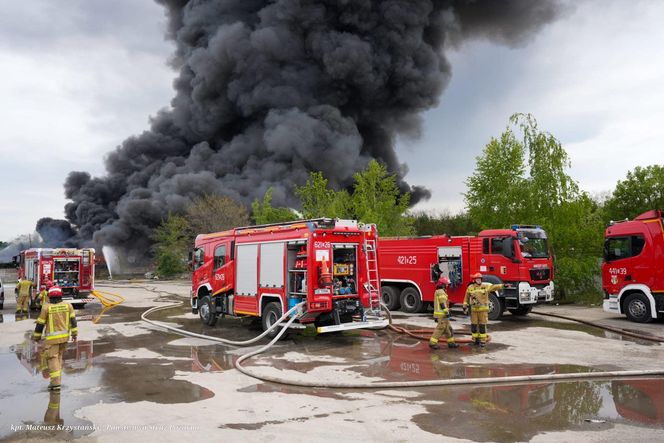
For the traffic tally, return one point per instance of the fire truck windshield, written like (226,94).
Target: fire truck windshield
(533,244)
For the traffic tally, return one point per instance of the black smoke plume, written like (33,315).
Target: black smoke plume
(268,91)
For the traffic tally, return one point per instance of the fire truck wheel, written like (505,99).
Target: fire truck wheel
(206,311)
(271,314)
(390,297)
(496,307)
(521,310)
(411,301)
(637,308)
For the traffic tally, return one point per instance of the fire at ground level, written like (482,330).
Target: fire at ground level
(127,380)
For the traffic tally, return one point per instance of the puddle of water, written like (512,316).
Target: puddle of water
(518,413)
(496,413)
(90,376)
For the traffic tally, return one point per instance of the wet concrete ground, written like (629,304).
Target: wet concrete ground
(123,372)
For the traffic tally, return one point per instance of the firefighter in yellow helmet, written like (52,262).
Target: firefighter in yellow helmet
(24,288)
(477,296)
(57,322)
(441,313)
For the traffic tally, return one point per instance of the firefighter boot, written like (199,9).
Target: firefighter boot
(452,345)
(433,344)
(483,335)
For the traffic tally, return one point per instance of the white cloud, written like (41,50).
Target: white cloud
(594,79)
(71,91)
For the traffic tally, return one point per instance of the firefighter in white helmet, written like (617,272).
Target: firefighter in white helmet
(441,313)
(477,296)
(56,322)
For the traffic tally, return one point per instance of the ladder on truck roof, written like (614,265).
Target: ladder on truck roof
(322,222)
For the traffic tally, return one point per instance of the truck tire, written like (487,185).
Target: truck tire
(637,308)
(521,310)
(390,296)
(411,301)
(207,311)
(271,314)
(496,306)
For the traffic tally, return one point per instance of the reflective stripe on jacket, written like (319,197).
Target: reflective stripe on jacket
(477,296)
(59,321)
(440,303)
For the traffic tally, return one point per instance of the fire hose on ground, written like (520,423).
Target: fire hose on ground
(108,301)
(576,376)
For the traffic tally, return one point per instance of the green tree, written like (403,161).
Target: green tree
(172,240)
(498,187)
(265,213)
(641,191)
(214,213)
(376,199)
(432,223)
(524,179)
(317,200)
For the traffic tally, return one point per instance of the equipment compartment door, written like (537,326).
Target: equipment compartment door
(246,279)
(344,269)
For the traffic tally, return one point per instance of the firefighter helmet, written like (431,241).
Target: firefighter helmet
(55,291)
(476,276)
(443,281)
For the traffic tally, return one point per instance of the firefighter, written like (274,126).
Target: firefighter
(477,296)
(24,287)
(43,295)
(441,314)
(58,320)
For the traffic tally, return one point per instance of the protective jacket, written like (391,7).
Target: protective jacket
(24,287)
(440,303)
(477,296)
(57,321)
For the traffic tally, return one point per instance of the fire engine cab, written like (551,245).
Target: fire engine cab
(517,257)
(71,269)
(263,271)
(633,267)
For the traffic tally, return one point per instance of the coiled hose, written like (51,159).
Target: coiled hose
(383,384)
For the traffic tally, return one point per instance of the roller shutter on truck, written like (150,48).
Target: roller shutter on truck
(247,270)
(272,265)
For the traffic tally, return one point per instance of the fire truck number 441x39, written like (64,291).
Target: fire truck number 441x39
(633,267)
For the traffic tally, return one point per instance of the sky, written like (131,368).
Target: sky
(81,76)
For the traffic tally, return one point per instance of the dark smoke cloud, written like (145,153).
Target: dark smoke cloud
(49,233)
(268,91)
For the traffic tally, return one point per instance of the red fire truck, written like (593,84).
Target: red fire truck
(633,268)
(263,271)
(71,269)
(518,257)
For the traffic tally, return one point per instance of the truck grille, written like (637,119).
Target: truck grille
(540,274)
